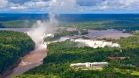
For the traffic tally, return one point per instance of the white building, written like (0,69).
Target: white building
(88,65)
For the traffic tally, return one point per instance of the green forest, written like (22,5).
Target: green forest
(62,54)
(128,25)
(17,24)
(13,45)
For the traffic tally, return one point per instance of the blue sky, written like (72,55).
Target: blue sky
(69,6)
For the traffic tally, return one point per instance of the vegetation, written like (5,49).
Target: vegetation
(120,24)
(17,24)
(128,25)
(13,45)
(61,55)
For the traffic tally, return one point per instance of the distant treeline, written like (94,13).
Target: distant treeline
(14,16)
(127,22)
(67,17)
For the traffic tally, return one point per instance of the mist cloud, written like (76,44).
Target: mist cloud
(39,30)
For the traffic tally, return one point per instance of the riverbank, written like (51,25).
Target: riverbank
(29,61)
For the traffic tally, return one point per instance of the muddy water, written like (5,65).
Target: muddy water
(32,60)
(109,33)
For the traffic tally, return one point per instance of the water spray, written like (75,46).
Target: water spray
(49,27)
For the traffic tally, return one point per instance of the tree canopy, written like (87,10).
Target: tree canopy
(13,45)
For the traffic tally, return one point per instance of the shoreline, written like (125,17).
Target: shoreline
(10,70)
(28,61)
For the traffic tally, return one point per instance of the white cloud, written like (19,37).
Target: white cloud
(118,4)
(18,7)
(62,5)
(36,4)
(3,3)
(112,6)
(71,5)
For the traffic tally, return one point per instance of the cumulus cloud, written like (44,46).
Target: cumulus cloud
(70,5)
(3,3)
(62,5)
(118,4)
(36,4)
(110,5)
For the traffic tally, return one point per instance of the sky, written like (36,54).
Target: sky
(69,6)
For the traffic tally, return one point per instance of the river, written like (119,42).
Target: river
(108,34)
(29,61)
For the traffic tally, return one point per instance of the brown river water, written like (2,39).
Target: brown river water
(30,61)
